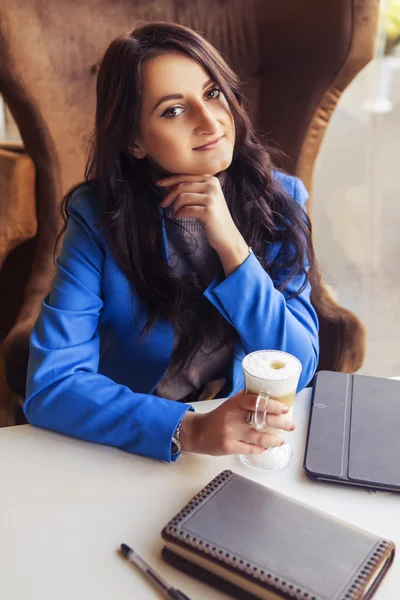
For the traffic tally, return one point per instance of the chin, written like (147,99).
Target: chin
(225,164)
(214,166)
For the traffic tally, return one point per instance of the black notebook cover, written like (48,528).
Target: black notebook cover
(254,542)
(353,434)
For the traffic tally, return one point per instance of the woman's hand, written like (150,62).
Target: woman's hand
(225,430)
(201,197)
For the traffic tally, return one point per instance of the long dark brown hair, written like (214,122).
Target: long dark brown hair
(129,201)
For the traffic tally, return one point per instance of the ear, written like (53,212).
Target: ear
(137,150)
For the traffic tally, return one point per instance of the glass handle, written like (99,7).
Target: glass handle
(260,414)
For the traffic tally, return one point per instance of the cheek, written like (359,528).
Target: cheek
(226,115)
(231,123)
(168,149)
(164,140)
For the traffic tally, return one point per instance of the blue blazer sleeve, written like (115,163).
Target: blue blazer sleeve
(64,391)
(263,316)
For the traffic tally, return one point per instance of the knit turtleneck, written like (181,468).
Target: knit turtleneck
(190,252)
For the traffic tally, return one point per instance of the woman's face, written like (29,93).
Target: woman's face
(186,126)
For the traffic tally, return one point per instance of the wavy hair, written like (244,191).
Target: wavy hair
(129,200)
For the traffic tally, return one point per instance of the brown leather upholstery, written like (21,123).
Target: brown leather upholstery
(17,211)
(295,56)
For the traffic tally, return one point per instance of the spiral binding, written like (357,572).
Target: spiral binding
(353,592)
(355,589)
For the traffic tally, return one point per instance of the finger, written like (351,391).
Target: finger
(249,401)
(189,199)
(181,188)
(191,212)
(280,422)
(246,448)
(174,179)
(276,408)
(266,439)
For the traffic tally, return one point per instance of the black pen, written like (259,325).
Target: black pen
(169,592)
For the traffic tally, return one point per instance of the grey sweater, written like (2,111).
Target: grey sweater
(190,251)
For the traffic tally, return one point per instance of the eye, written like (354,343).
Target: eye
(213,93)
(172,112)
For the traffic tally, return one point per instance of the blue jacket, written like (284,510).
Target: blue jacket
(90,377)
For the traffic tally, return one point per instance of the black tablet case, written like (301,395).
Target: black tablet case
(354,431)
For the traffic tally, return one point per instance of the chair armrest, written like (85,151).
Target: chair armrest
(18,221)
(342,336)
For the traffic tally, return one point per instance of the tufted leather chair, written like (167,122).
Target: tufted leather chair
(295,57)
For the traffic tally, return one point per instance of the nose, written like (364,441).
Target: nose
(206,121)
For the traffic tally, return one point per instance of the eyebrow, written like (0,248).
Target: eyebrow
(177,96)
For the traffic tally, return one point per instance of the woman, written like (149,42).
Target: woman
(183,252)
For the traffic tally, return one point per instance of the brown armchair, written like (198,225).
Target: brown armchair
(296,57)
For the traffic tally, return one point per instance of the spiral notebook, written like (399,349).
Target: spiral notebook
(255,543)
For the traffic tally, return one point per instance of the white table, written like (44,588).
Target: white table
(66,505)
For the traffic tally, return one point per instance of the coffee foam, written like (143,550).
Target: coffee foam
(261,372)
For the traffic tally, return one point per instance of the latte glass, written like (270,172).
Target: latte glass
(270,374)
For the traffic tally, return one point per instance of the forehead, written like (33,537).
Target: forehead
(171,73)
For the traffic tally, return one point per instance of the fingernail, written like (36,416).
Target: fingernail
(160,182)
(282,443)
(292,428)
(285,409)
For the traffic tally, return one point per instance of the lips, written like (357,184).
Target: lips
(211,144)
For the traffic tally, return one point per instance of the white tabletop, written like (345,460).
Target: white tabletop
(66,505)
